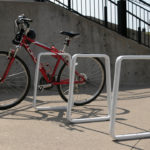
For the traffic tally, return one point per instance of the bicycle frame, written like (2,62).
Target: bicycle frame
(42,69)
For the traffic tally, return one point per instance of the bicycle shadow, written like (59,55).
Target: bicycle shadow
(25,111)
(27,106)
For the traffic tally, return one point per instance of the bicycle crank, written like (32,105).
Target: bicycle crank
(44,85)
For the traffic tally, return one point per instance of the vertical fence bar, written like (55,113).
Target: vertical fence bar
(132,23)
(136,23)
(139,32)
(69,4)
(115,19)
(105,15)
(122,27)
(148,29)
(128,21)
(144,30)
(103,9)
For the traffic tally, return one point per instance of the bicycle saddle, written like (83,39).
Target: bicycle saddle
(70,34)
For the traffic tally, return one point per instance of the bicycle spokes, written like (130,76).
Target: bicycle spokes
(88,83)
(15,81)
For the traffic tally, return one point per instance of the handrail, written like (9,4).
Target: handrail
(139,5)
(138,18)
(138,23)
(60,3)
(144,3)
(113,2)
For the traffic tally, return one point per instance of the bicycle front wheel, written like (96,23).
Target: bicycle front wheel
(16,84)
(93,71)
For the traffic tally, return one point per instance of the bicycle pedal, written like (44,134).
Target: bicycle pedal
(40,88)
(45,86)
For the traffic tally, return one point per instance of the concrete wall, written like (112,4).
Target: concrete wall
(50,19)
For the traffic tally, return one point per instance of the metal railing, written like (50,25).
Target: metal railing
(96,10)
(106,12)
(138,23)
(92,9)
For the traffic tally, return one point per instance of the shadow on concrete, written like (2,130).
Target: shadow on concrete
(130,146)
(25,111)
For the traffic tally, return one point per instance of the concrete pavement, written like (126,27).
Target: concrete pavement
(21,128)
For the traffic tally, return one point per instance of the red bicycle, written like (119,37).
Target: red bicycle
(15,75)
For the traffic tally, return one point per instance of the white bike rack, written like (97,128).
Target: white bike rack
(115,96)
(108,84)
(36,81)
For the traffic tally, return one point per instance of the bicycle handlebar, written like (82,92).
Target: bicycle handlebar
(23,19)
(22,24)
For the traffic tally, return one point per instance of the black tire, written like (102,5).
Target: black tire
(85,87)
(17,83)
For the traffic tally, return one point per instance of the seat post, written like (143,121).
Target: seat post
(69,36)
(66,43)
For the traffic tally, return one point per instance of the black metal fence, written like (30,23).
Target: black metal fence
(138,23)
(126,17)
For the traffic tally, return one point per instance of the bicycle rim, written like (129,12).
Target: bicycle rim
(16,85)
(93,71)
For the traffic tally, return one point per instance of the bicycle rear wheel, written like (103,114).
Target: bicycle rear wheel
(16,84)
(92,69)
